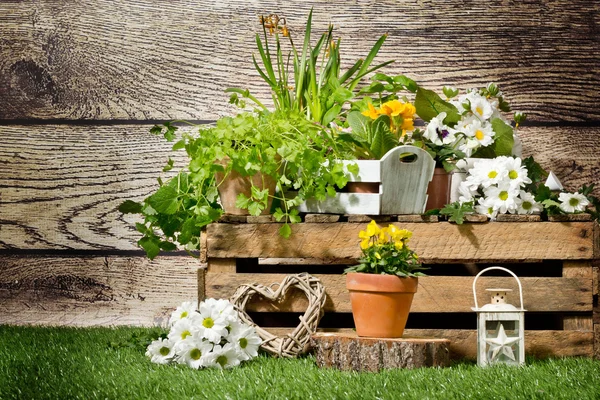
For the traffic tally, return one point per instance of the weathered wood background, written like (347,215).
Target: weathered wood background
(81,82)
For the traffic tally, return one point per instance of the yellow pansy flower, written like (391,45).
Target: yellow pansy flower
(399,244)
(373,229)
(409,111)
(393,108)
(372,112)
(365,244)
(407,125)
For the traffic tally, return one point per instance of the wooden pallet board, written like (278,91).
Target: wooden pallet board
(91,291)
(435,243)
(434,293)
(173,62)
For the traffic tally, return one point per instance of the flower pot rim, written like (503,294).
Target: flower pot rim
(385,283)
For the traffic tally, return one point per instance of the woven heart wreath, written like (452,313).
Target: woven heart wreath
(292,344)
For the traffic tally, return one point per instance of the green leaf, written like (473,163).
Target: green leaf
(456,211)
(130,207)
(242,201)
(278,214)
(285,231)
(503,139)
(408,83)
(151,245)
(169,165)
(255,208)
(167,246)
(331,114)
(179,145)
(165,200)
(428,105)
(352,168)
(358,123)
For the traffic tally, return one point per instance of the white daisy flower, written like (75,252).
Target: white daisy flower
(222,306)
(488,172)
(223,357)
(517,173)
(528,204)
(486,207)
(185,310)
(572,202)
(466,192)
(181,329)
(480,106)
(479,134)
(213,321)
(161,351)
(437,132)
(247,342)
(505,199)
(194,352)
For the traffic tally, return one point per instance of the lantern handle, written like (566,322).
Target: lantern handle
(502,269)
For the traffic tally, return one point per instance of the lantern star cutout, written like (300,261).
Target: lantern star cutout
(501,344)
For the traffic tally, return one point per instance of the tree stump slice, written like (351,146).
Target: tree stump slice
(348,352)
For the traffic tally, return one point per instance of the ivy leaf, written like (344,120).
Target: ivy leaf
(353,168)
(430,105)
(167,246)
(255,208)
(130,207)
(179,145)
(285,231)
(164,200)
(242,201)
(456,211)
(150,245)
(408,83)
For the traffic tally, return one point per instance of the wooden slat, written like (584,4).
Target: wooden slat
(88,291)
(435,243)
(174,62)
(434,294)
(463,342)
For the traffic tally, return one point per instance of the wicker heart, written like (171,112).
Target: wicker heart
(293,343)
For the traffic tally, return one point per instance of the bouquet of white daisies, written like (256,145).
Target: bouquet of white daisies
(206,335)
(499,185)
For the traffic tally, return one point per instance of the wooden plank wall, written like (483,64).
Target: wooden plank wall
(82,82)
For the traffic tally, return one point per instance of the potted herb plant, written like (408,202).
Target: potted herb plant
(382,286)
(282,148)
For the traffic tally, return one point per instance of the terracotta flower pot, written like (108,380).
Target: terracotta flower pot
(234,184)
(380,303)
(438,191)
(363,187)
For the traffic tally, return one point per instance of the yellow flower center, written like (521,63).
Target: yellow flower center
(479,135)
(503,195)
(243,343)
(184,314)
(513,174)
(164,351)
(479,110)
(492,174)
(208,323)
(222,360)
(491,210)
(573,202)
(195,354)
(185,334)
(527,205)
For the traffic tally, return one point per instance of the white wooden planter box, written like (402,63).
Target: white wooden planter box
(402,186)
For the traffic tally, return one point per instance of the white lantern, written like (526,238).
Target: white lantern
(500,327)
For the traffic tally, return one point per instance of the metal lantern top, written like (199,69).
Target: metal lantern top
(498,303)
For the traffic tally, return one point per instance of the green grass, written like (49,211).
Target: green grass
(69,363)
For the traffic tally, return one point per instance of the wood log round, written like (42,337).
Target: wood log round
(346,351)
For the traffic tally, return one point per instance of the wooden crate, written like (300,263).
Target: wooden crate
(557,263)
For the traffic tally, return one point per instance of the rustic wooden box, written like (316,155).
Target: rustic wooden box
(557,263)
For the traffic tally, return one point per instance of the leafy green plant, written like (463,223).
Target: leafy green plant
(283,146)
(319,88)
(385,251)
(467,125)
